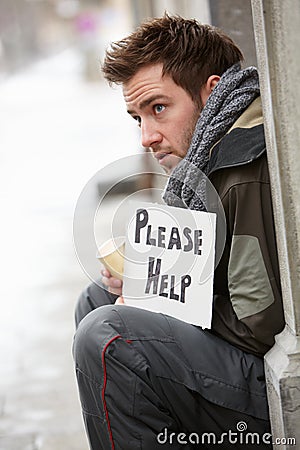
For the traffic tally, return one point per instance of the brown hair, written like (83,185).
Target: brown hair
(189,51)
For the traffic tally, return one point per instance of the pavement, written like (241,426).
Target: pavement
(56,132)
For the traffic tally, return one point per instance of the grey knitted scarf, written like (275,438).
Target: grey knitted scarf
(234,92)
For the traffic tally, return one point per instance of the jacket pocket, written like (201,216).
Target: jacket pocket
(249,285)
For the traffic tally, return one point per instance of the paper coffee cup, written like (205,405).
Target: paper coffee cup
(111,255)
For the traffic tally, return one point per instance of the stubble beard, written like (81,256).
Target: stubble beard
(186,138)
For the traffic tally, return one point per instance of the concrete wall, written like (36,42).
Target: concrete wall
(277,25)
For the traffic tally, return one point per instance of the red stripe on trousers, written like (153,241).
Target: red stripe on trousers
(103,391)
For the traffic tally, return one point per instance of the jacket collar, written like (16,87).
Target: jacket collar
(243,143)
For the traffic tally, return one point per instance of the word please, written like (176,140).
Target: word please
(185,240)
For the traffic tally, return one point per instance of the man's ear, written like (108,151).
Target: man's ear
(208,87)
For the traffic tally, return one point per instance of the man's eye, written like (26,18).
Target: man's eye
(158,108)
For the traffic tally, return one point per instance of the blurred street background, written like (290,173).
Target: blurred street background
(60,124)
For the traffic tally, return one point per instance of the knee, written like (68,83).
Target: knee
(94,333)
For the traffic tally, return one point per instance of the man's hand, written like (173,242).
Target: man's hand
(113,284)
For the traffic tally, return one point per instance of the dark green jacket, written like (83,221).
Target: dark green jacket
(247,297)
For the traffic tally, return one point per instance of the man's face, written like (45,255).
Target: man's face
(165,112)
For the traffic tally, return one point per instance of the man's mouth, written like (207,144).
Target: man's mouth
(160,156)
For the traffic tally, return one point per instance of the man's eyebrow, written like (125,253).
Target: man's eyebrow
(149,100)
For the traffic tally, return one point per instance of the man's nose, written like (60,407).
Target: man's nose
(150,135)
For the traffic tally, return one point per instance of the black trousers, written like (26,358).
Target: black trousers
(150,381)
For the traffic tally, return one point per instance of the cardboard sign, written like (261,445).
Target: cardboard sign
(169,261)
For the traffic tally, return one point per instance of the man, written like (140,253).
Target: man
(146,379)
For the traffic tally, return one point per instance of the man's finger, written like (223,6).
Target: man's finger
(105,273)
(112,282)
